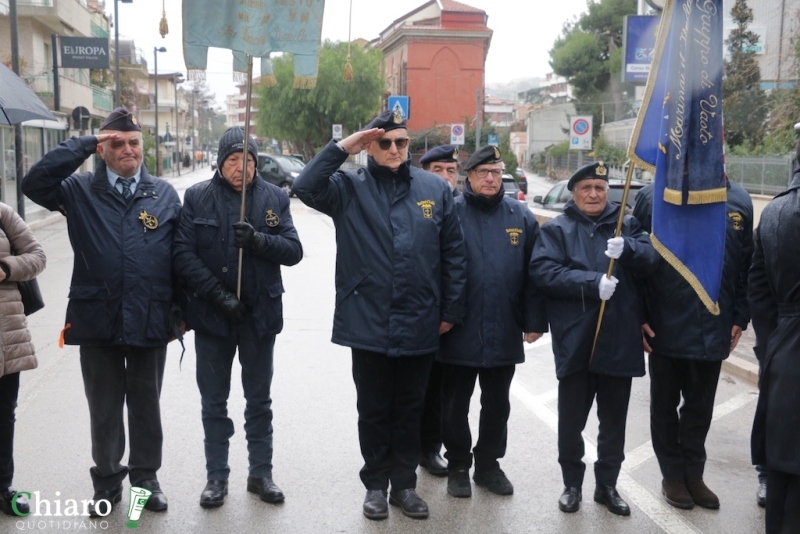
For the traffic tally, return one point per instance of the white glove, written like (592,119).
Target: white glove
(607,287)
(615,247)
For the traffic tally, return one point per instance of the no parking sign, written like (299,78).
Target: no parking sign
(456,134)
(337,131)
(580,133)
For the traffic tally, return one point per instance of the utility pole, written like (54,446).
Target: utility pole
(193,145)
(478,118)
(12,14)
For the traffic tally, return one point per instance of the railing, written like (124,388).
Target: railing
(35,3)
(42,84)
(98,30)
(102,98)
(763,175)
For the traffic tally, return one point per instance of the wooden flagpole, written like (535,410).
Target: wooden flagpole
(246,151)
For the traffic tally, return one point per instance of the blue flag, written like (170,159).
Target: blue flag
(679,137)
(255,28)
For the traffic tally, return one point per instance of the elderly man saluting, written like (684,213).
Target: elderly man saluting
(568,264)
(400,278)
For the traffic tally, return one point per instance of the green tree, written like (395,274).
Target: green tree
(744,102)
(589,55)
(305,117)
(509,159)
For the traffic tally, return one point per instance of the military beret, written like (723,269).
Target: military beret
(593,171)
(121,120)
(388,120)
(485,154)
(447,153)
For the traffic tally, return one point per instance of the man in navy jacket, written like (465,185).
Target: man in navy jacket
(400,278)
(121,222)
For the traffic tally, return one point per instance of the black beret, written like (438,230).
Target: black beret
(388,120)
(593,171)
(485,154)
(447,153)
(121,120)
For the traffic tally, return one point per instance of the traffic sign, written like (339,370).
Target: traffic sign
(337,131)
(456,134)
(401,104)
(493,140)
(580,133)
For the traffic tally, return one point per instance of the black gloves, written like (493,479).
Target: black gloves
(227,303)
(245,236)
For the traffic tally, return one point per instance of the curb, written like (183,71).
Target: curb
(45,221)
(741,368)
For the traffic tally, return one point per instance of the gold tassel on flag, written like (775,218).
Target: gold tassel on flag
(163,27)
(348,68)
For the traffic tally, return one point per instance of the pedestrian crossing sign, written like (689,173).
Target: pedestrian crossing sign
(400,104)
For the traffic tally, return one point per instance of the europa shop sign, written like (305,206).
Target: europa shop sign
(84,52)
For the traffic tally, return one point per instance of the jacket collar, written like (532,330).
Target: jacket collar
(384,172)
(609,213)
(145,187)
(480,201)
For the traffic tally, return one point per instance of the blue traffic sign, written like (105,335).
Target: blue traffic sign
(401,104)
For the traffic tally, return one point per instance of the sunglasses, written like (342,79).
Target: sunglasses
(400,143)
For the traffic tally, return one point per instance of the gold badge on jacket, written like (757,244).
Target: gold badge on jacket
(514,234)
(149,221)
(427,208)
(272,219)
(737,219)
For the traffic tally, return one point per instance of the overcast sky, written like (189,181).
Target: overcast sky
(524,31)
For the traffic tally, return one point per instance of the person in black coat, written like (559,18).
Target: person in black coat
(774,297)
(687,345)
(400,276)
(503,306)
(121,223)
(207,246)
(568,265)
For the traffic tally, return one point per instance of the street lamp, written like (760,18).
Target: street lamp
(178,79)
(156,50)
(117,98)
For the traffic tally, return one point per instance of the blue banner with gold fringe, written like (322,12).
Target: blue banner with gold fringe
(679,137)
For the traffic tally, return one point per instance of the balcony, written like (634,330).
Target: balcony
(102,99)
(99,31)
(42,84)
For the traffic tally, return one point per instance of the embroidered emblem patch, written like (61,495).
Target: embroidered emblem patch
(272,219)
(514,234)
(427,208)
(737,219)
(149,221)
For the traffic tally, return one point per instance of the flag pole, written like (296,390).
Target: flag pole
(617,233)
(246,152)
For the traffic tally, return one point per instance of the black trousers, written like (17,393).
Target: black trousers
(9,390)
(783,503)
(576,393)
(431,429)
(390,393)
(679,435)
(112,378)
(458,384)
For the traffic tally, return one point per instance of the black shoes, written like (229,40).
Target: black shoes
(266,489)
(701,495)
(214,493)
(570,500)
(677,494)
(157,501)
(410,503)
(494,480)
(434,463)
(7,506)
(608,495)
(761,494)
(111,497)
(375,505)
(458,484)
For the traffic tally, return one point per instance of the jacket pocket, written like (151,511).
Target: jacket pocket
(206,231)
(158,313)
(92,313)
(352,284)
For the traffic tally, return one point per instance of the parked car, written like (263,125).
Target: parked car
(559,195)
(512,189)
(279,170)
(522,179)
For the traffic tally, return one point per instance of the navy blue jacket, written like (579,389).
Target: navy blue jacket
(206,259)
(502,302)
(122,290)
(400,266)
(683,326)
(568,261)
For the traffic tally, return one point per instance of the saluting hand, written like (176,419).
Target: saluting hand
(359,141)
(106,137)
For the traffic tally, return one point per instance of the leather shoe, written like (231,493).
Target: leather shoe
(214,493)
(701,495)
(458,484)
(6,498)
(761,494)
(157,501)
(677,494)
(608,495)
(434,463)
(375,505)
(570,500)
(410,503)
(266,489)
(112,497)
(494,480)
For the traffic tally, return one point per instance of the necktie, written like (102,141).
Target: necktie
(126,187)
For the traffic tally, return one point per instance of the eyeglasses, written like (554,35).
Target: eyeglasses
(497,173)
(400,143)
